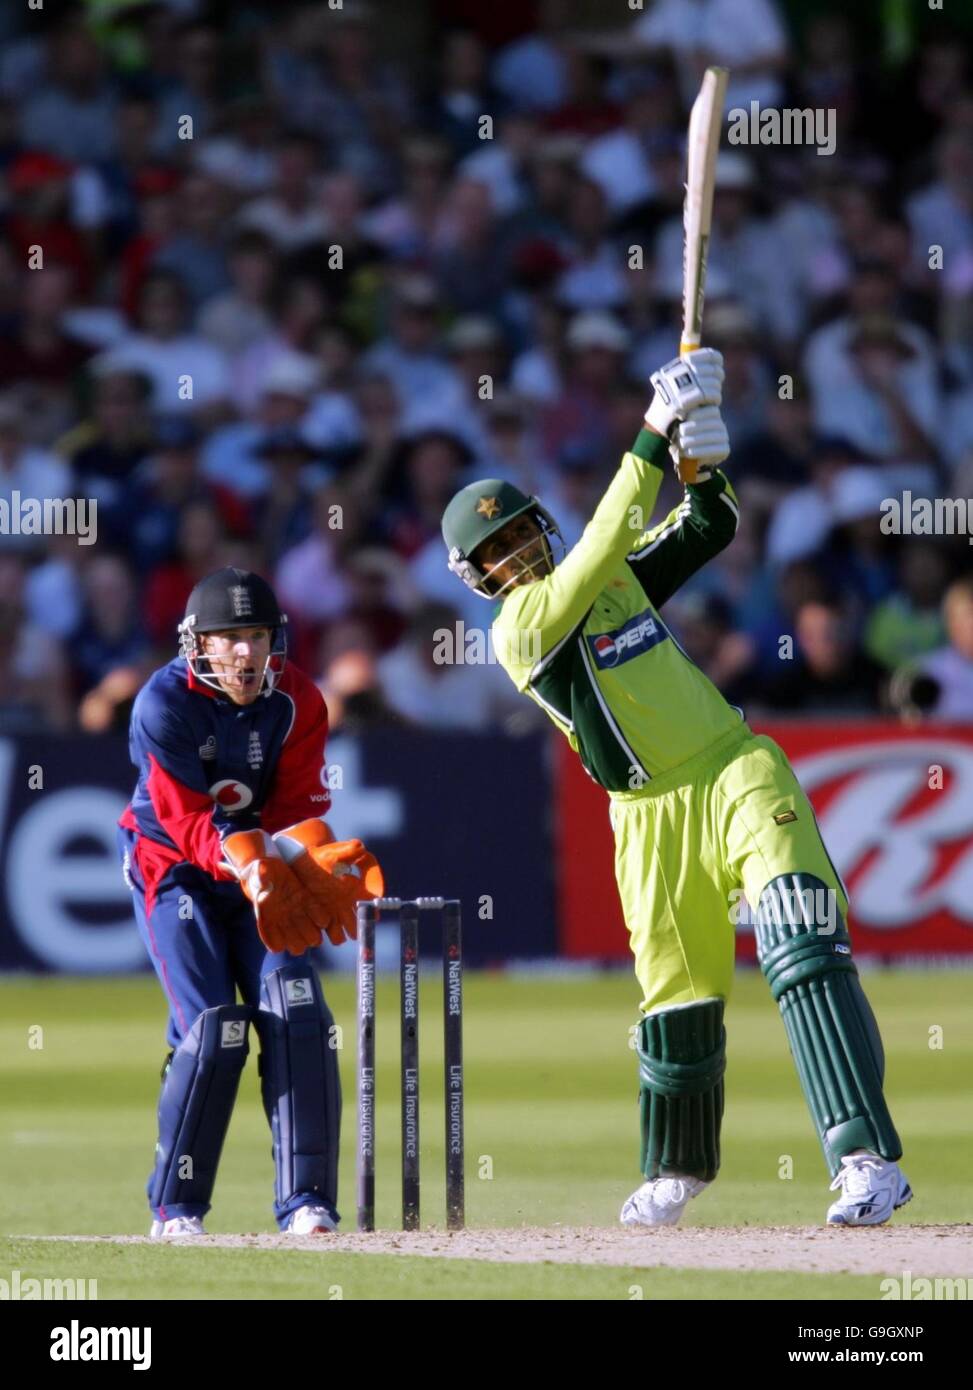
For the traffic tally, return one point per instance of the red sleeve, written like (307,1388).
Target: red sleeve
(300,788)
(187,818)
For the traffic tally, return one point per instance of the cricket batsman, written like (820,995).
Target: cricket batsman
(700,806)
(234,874)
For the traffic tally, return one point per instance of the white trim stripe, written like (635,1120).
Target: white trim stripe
(683,512)
(609,718)
(676,643)
(545,661)
(732,506)
(556,713)
(290,726)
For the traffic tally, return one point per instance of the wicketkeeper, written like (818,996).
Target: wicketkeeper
(234,875)
(700,806)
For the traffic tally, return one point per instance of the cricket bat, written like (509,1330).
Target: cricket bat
(705,120)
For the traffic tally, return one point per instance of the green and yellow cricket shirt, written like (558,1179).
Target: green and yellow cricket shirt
(587,642)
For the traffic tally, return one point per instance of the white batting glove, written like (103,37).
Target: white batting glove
(682,385)
(701,436)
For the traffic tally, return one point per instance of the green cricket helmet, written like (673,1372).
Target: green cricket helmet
(476,513)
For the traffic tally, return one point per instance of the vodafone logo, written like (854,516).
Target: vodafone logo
(231,794)
(904,848)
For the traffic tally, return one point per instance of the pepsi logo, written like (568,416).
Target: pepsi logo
(636,636)
(605,650)
(231,794)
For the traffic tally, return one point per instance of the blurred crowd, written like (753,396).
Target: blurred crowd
(294,290)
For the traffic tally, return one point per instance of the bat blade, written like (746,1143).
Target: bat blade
(705,121)
(704,140)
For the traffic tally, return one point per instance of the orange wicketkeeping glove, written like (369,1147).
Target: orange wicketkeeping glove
(283,913)
(335,874)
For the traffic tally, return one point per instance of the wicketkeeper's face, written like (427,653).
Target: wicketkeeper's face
(238,658)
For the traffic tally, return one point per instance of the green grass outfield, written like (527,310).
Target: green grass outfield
(551,1137)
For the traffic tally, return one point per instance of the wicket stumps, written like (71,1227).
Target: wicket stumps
(408,912)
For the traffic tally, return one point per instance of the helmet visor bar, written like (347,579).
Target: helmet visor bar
(537,567)
(200,662)
(523,567)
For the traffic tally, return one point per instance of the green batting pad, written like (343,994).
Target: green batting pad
(805,954)
(682,1058)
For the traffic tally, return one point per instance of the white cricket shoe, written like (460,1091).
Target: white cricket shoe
(660,1201)
(310,1221)
(177,1227)
(871,1190)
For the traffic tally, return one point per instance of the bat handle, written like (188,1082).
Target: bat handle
(687,466)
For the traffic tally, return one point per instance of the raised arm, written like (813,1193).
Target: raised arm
(701,526)
(555,605)
(684,409)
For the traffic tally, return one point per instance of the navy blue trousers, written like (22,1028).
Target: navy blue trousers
(202,940)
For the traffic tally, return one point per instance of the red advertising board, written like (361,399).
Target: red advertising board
(895,807)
